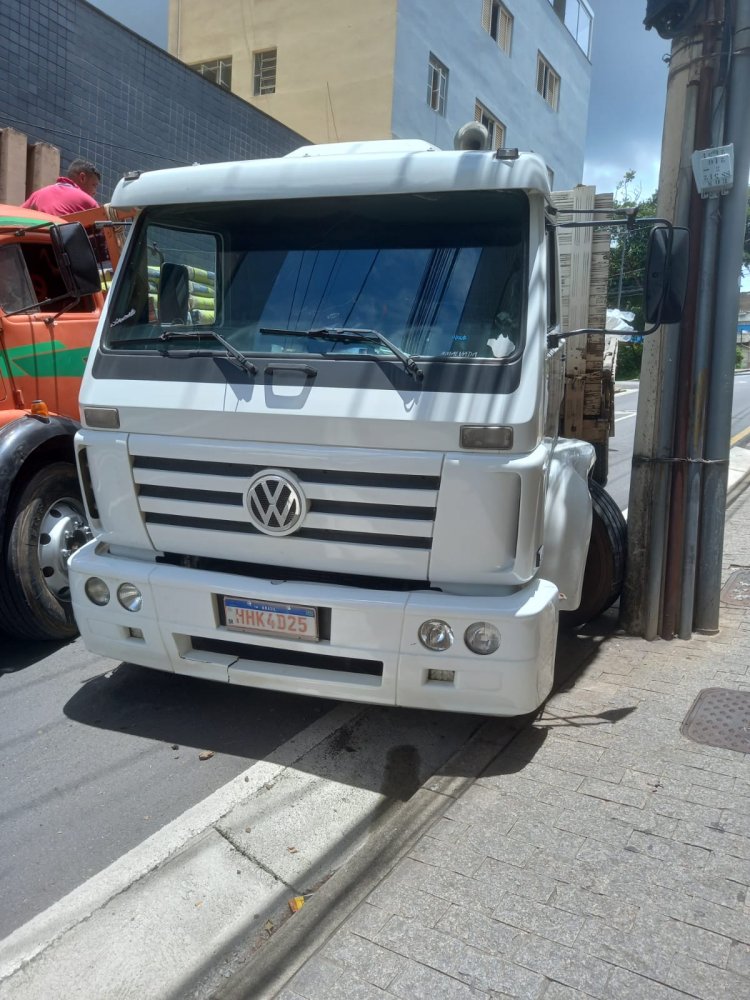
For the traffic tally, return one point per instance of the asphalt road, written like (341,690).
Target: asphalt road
(621,445)
(96,756)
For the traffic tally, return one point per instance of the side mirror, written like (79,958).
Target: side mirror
(75,258)
(174,291)
(667,260)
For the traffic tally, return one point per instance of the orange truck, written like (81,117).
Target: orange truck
(46,329)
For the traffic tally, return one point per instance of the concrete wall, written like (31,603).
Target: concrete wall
(76,79)
(25,166)
(334,72)
(505,85)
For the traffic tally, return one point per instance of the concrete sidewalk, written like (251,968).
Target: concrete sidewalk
(600,853)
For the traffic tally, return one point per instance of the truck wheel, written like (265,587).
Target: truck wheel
(601,465)
(48,525)
(605,563)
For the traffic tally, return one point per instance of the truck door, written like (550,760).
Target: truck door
(46,342)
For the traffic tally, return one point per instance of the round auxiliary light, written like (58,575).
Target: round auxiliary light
(97,591)
(435,634)
(130,597)
(482,638)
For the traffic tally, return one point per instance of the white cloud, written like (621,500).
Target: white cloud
(606,174)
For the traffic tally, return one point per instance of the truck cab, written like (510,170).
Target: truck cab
(315,449)
(46,329)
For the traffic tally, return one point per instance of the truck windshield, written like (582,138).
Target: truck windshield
(440,276)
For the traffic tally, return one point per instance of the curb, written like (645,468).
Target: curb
(298,939)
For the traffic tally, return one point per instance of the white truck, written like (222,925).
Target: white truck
(315,447)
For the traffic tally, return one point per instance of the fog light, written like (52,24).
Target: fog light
(135,633)
(444,676)
(482,638)
(130,597)
(435,634)
(97,591)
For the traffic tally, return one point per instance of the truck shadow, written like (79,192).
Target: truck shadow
(17,654)
(186,712)
(250,724)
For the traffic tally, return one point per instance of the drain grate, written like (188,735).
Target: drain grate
(719,717)
(736,591)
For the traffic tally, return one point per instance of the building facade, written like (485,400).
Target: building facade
(80,81)
(334,70)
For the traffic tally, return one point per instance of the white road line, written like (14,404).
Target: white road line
(626,416)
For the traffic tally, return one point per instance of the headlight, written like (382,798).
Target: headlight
(97,591)
(435,634)
(482,638)
(130,597)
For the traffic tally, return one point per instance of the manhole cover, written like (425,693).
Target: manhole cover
(736,590)
(720,717)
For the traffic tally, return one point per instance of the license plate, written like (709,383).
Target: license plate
(288,620)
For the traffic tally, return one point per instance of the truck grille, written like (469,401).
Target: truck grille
(367,512)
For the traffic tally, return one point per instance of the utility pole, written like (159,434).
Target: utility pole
(730,247)
(680,461)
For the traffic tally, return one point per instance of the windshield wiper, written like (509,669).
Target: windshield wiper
(233,355)
(352,335)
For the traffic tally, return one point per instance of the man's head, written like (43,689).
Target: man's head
(86,176)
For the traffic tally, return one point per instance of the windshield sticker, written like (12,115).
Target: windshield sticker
(460,354)
(121,319)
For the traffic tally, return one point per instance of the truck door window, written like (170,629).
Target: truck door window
(29,276)
(552,290)
(16,289)
(137,303)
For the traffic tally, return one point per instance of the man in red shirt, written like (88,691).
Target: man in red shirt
(72,193)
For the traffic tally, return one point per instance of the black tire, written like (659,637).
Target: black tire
(600,473)
(605,563)
(47,521)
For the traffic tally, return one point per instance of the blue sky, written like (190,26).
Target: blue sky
(628,93)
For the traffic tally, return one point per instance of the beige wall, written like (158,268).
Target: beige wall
(334,75)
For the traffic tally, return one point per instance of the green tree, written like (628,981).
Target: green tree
(627,262)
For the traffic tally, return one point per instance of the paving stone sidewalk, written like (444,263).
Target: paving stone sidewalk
(601,854)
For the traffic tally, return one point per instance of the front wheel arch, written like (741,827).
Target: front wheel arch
(605,563)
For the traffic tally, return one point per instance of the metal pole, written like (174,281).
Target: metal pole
(640,605)
(701,367)
(674,589)
(719,410)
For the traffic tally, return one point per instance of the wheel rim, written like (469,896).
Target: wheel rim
(62,531)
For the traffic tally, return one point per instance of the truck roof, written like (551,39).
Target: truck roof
(341,169)
(15,217)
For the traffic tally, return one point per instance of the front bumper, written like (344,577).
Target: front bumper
(373,653)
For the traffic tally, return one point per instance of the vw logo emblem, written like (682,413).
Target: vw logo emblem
(275,503)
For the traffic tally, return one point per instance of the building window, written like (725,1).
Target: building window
(264,72)
(495,128)
(497,20)
(219,71)
(578,18)
(547,82)
(578,21)
(437,85)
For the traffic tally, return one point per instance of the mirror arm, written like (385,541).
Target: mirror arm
(553,339)
(49,320)
(631,222)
